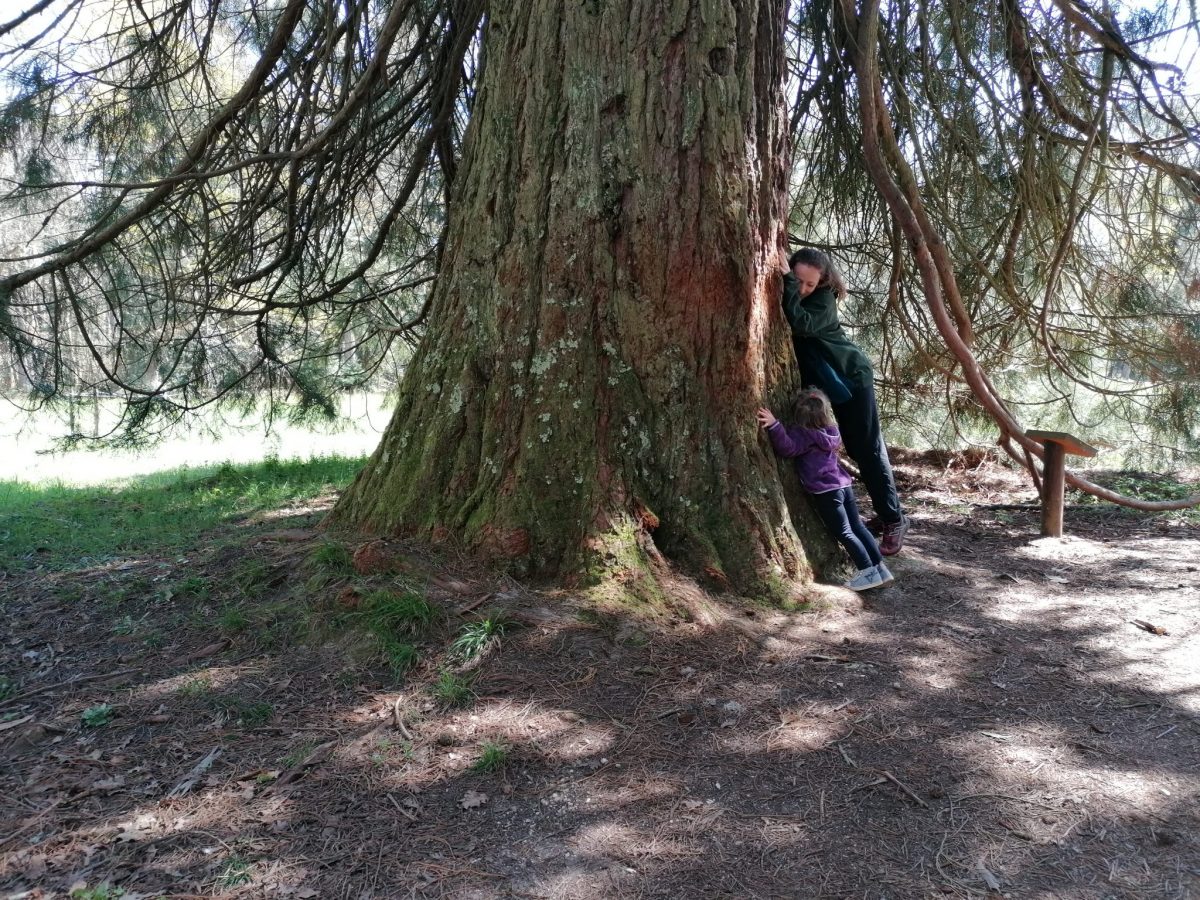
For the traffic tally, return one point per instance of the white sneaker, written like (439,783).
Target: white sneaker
(885,574)
(865,580)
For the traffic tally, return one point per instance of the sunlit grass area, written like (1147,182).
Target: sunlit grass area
(30,453)
(66,527)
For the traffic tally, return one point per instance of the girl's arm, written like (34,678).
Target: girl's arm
(788,442)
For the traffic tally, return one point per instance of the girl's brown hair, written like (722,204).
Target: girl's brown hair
(819,260)
(812,409)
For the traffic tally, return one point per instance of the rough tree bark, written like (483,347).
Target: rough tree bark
(606,318)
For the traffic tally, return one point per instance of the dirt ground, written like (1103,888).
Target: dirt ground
(997,722)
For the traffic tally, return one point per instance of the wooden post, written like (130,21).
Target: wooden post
(1057,445)
(1054,472)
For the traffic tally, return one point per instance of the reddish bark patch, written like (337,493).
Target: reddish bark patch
(376,557)
(504,543)
(645,516)
(349,598)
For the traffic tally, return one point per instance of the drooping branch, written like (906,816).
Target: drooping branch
(879,148)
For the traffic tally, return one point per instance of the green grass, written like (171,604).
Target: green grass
(7,687)
(388,613)
(96,716)
(235,873)
(64,528)
(453,690)
(493,757)
(332,559)
(477,637)
(246,713)
(103,891)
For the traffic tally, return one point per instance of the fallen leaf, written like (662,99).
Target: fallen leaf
(473,800)
(4,726)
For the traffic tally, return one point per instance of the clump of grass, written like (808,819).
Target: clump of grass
(253,577)
(233,620)
(492,758)
(399,655)
(297,754)
(398,614)
(193,586)
(453,690)
(235,873)
(247,713)
(477,637)
(97,716)
(331,559)
(7,687)
(103,891)
(199,687)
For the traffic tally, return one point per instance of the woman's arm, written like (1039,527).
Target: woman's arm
(806,319)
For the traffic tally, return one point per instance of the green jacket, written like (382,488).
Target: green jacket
(816,330)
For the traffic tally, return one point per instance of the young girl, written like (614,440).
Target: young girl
(813,442)
(834,363)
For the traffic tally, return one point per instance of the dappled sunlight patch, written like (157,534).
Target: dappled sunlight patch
(628,844)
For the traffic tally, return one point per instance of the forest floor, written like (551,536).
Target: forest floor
(1016,715)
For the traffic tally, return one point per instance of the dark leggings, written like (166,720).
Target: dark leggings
(858,420)
(839,512)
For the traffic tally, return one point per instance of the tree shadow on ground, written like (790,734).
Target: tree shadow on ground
(993,722)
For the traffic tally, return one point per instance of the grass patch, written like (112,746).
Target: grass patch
(453,690)
(67,528)
(332,560)
(233,620)
(104,891)
(235,873)
(477,637)
(8,687)
(297,754)
(388,613)
(399,656)
(246,713)
(492,758)
(197,688)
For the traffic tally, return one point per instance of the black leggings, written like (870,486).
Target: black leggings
(839,512)
(858,420)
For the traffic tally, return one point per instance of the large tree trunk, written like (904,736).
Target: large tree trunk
(606,319)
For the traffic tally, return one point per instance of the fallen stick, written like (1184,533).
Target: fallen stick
(900,784)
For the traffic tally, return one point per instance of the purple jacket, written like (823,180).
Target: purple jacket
(815,452)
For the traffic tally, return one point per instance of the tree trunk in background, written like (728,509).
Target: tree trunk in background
(607,319)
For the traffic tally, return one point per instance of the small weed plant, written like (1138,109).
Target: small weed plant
(97,716)
(7,687)
(400,656)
